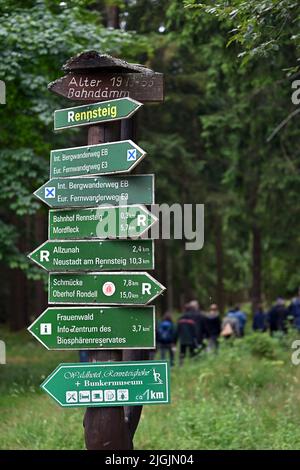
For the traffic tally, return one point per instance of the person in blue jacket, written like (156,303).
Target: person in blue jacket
(294,310)
(259,319)
(166,337)
(237,313)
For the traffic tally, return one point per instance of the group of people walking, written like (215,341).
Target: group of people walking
(279,317)
(196,330)
(191,330)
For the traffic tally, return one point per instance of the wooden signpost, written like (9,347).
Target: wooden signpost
(145,383)
(105,159)
(92,191)
(98,86)
(87,268)
(95,328)
(86,115)
(92,255)
(92,76)
(116,222)
(116,288)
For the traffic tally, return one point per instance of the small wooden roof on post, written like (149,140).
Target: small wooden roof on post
(93,77)
(95,61)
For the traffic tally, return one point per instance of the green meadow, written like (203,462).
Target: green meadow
(245,397)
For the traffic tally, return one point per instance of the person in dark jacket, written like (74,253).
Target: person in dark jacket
(277,317)
(187,334)
(240,316)
(294,311)
(212,327)
(259,319)
(194,309)
(166,337)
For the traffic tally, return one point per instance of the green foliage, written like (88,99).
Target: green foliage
(36,38)
(261,28)
(249,180)
(208,143)
(232,400)
(261,345)
(8,238)
(21,171)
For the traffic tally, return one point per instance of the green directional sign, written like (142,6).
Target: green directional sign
(90,255)
(101,222)
(86,115)
(109,384)
(96,190)
(109,158)
(96,328)
(131,288)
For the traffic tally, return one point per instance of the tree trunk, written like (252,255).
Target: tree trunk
(112,17)
(161,270)
(169,278)
(18,282)
(106,428)
(256,266)
(219,263)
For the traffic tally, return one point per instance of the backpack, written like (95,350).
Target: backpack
(227,330)
(165,332)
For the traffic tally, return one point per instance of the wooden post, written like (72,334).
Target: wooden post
(106,428)
(132,413)
(110,428)
(40,229)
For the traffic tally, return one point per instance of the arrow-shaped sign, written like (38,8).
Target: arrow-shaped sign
(109,383)
(109,158)
(96,190)
(101,85)
(86,115)
(128,288)
(90,255)
(101,222)
(95,328)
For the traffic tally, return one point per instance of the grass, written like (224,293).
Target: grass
(246,397)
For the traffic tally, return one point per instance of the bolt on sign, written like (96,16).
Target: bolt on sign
(96,190)
(101,222)
(109,384)
(123,288)
(91,255)
(95,328)
(103,159)
(86,115)
(99,86)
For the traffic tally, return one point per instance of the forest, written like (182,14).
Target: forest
(225,137)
